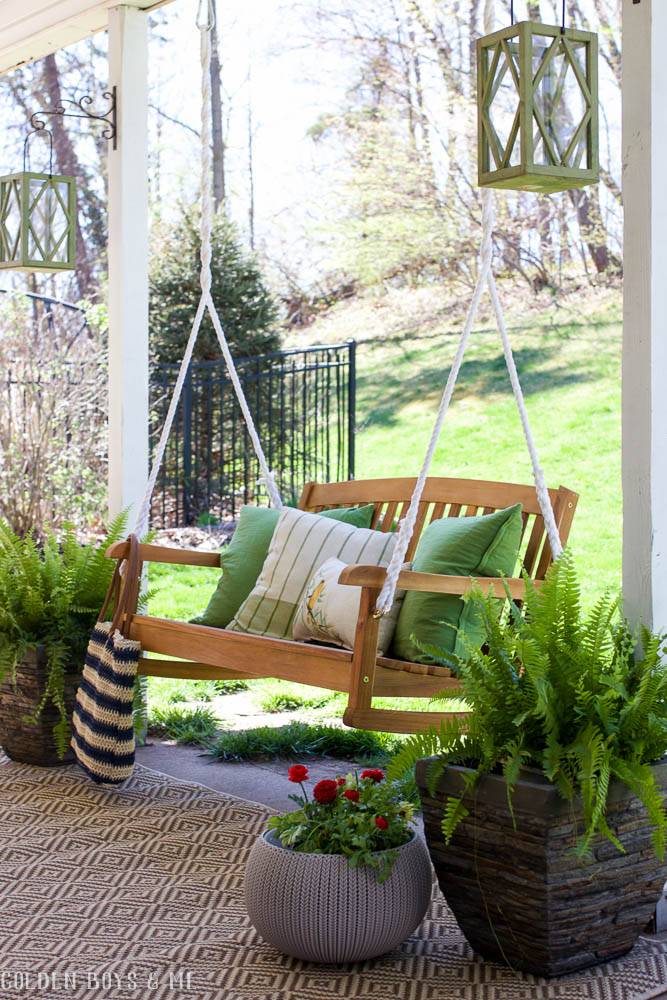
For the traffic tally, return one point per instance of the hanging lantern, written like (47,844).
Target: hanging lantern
(38,211)
(537,108)
(37,215)
(37,222)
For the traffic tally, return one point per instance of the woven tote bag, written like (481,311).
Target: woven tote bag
(103,729)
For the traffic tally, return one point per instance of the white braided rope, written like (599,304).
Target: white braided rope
(205,20)
(143,515)
(484,277)
(268,477)
(386,596)
(543,498)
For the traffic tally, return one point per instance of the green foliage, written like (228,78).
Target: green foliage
(184,723)
(140,710)
(51,595)
(289,702)
(194,690)
(247,308)
(180,592)
(231,687)
(300,740)
(390,224)
(372,817)
(573,694)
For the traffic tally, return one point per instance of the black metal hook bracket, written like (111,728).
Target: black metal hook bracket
(83,111)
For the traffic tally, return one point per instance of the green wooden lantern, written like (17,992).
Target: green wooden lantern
(37,222)
(537,101)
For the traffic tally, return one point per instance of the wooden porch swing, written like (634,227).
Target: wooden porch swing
(217,654)
(211,653)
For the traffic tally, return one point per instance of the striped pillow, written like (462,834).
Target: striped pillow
(301,542)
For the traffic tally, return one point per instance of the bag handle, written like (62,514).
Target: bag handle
(132,580)
(112,592)
(124,589)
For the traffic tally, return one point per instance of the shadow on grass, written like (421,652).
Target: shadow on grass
(478,377)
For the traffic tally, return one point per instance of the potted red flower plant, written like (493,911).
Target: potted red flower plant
(342,877)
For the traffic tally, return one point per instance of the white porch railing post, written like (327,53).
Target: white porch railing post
(128,262)
(645,312)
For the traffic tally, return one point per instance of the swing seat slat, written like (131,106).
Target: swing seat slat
(233,655)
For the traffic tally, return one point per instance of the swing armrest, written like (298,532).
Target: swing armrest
(434,583)
(166,554)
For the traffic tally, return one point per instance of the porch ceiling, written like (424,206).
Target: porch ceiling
(31,29)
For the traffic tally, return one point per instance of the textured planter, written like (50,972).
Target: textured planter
(520,895)
(315,907)
(21,739)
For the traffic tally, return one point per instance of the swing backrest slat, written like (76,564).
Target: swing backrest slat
(451,498)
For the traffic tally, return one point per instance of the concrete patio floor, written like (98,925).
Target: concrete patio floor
(265,782)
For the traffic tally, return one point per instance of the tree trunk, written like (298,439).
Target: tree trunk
(67,162)
(610,48)
(216,116)
(251,173)
(593,233)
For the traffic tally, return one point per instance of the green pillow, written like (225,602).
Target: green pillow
(243,558)
(487,545)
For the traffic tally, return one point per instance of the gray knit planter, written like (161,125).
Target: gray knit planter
(317,908)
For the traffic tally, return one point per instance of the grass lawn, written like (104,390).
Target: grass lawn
(571,380)
(569,363)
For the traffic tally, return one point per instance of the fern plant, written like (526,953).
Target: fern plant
(577,695)
(50,596)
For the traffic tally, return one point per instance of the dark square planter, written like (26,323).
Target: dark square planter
(22,739)
(519,893)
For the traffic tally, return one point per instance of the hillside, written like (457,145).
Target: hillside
(568,354)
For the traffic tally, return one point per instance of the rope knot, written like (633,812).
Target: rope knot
(205,281)
(267,478)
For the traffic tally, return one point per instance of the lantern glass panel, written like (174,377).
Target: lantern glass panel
(11,221)
(48,227)
(503,102)
(559,104)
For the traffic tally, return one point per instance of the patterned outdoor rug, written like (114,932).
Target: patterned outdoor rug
(138,893)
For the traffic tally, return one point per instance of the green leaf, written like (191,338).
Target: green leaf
(51,596)
(575,693)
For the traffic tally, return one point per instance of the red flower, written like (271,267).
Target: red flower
(352,794)
(374,773)
(381,823)
(325,791)
(297,773)
(340,782)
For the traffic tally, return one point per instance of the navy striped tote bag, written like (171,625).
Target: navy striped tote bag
(103,730)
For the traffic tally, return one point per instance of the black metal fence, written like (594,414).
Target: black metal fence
(303,403)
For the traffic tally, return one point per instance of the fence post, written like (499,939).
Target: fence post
(186,412)
(351,406)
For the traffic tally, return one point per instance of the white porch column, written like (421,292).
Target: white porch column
(645,312)
(128,262)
